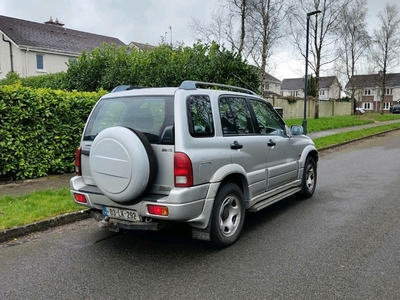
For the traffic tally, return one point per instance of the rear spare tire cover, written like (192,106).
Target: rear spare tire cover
(122,163)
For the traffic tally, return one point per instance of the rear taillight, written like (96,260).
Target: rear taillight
(157,210)
(78,169)
(80,198)
(183,172)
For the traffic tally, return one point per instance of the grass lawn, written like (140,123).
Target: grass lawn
(40,205)
(336,139)
(327,123)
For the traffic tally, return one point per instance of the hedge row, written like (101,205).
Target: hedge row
(40,130)
(109,66)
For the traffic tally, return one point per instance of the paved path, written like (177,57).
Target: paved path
(23,187)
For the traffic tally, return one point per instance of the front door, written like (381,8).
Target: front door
(281,156)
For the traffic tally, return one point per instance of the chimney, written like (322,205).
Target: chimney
(56,23)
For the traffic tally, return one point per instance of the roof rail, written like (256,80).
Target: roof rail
(192,85)
(126,88)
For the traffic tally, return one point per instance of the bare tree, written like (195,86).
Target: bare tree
(322,34)
(213,31)
(386,44)
(226,22)
(265,31)
(353,41)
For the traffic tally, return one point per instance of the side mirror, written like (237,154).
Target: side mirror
(296,130)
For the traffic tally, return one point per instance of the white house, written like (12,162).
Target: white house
(31,48)
(329,87)
(368,91)
(272,85)
(141,46)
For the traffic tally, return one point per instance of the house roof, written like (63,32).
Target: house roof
(373,80)
(271,78)
(142,46)
(52,36)
(294,84)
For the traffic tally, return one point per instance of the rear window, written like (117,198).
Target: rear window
(152,115)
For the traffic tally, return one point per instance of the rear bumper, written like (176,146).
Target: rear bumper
(184,204)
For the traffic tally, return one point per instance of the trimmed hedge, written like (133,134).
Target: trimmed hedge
(40,130)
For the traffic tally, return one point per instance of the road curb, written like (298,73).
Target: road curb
(16,232)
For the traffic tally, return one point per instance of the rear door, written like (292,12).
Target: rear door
(153,115)
(241,140)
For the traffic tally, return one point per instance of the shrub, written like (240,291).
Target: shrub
(108,67)
(11,78)
(40,129)
(55,81)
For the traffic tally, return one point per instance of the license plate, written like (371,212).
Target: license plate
(123,214)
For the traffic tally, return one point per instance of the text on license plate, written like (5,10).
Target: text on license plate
(117,213)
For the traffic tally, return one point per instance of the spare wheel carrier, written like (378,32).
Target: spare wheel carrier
(122,163)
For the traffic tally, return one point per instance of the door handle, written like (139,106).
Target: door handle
(236,145)
(271,143)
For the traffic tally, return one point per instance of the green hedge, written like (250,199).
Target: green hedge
(40,129)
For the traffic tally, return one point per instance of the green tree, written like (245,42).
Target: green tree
(311,87)
(109,67)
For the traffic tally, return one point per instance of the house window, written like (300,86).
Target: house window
(388,91)
(294,93)
(322,92)
(386,105)
(368,92)
(40,62)
(266,87)
(367,105)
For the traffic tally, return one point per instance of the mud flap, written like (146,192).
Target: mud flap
(201,234)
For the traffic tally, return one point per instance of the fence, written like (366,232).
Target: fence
(295,108)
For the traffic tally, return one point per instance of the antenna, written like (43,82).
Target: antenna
(170,30)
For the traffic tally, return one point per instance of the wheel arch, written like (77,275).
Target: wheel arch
(308,151)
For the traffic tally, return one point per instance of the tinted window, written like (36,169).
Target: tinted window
(150,115)
(268,120)
(200,116)
(235,116)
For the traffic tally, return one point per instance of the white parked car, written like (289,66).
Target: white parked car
(360,111)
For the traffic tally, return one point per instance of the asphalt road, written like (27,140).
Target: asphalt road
(341,244)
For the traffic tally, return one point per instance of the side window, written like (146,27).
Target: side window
(200,116)
(268,120)
(235,116)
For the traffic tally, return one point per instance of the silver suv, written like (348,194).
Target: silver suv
(150,157)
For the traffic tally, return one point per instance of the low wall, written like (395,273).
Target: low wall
(295,109)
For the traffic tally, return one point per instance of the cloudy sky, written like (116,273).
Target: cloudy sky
(144,21)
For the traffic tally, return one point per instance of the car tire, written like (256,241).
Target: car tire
(123,164)
(228,215)
(309,180)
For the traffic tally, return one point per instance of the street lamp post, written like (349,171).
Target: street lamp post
(306,75)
